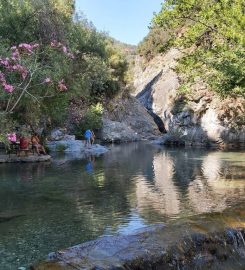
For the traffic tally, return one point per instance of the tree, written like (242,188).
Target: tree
(35,20)
(214,30)
(44,37)
(28,83)
(157,41)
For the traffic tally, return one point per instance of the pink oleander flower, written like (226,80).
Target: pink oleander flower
(27,47)
(15,55)
(5,62)
(8,87)
(12,137)
(53,43)
(64,49)
(19,67)
(24,74)
(2,77)
(59,45)
(61,85)
(22,70)
(47,80)
(70,55)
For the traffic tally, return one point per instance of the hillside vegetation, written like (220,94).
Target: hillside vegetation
(50,56)
(211,36)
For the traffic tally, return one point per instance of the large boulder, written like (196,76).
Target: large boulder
(113,131)
(75,146)
(58,134)
(126,119)
(155,247)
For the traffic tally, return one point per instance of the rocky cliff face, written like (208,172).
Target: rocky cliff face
(197,118)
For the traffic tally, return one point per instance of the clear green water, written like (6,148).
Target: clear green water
(50,206)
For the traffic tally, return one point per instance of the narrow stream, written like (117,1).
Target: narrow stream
(49,206)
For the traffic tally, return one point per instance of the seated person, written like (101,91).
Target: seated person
(24,144)
(36,144)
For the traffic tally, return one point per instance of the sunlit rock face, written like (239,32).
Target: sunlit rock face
(201,118)
(114,131)
(125,119)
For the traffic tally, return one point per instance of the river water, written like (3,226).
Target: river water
(50,206)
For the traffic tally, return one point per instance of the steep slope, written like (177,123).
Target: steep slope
(199,117)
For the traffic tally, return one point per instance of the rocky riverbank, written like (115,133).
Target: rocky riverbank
(60,141)
(30,158)
(205,241)
(155,247)
(76,146)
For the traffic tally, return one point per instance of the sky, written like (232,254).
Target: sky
(124,20)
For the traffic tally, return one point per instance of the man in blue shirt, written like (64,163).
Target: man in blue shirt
(88,135)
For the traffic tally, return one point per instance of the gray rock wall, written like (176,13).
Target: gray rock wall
(199,118)
(126,119)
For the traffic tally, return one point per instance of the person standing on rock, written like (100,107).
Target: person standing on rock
(88,135)
(92,137)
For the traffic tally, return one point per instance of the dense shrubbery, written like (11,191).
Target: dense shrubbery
(157,41)
(215,32)
(91,120)
(71,60)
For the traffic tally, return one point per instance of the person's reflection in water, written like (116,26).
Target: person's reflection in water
(25,173)
(32,172)
(89,167)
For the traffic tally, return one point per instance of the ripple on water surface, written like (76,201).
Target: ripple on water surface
(49,206)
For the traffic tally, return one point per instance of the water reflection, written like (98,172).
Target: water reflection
(187,183)
(212,189)
(89,167)
(50,206)
(162,195)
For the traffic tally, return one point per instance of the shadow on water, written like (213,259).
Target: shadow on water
(70,201)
